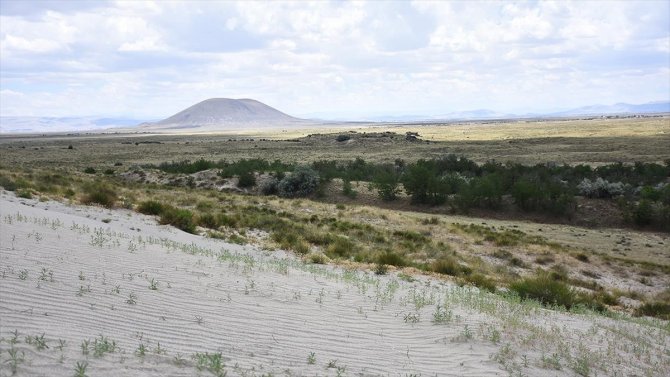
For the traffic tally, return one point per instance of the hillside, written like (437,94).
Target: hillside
(224,113)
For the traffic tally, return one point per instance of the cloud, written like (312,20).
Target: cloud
(151,59)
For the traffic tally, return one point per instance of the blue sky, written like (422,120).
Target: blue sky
(147,59)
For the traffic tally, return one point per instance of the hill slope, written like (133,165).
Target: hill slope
(222,113)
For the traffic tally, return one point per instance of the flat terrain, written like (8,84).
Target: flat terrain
(571,141)
(118,294)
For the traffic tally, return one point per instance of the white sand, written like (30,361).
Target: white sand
(266,312)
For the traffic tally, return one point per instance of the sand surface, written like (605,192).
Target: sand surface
(79,274)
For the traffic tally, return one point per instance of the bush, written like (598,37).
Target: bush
(269,186)
(347,190)
(391,259)
(600,188)
(180,218)
(150,207)
(342,247)
(302,182)
(342,138)
(99,193)
(448,266)
(654,309)
(545,290)
(7,183)
(89,170)
(481,281)
(643,213)
(386,183)
(24,193)
(207,220)
(246,179)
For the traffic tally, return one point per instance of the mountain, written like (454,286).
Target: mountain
(619,108)
(27,124)
(224,113)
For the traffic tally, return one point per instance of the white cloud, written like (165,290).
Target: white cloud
(154,58)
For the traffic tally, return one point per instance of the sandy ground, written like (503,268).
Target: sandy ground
(73,279)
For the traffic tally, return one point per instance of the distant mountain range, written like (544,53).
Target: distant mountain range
(14,124)
(224,114)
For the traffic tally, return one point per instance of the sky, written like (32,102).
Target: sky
(151,59)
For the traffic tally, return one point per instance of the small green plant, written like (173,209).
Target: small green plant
(311,358)
(23,274)
(89,170)
(442,315)
(153,284)
(150,207)
(80,369)
(331,364)
(132,299)
(412,318)
(545,290)
(39,342)
(212,362)
(102,345)
(141,350)
(15,359)
(84,347)
(551,362)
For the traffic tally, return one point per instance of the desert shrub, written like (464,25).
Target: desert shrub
(207,220)
(342,247)
(448,266)
(108,172)
(600,188)
(99,193)
(342,138)
(386,183)
(424,185)
(269,186)
(24,193)
(317,258)
(246,179)
(654,309)
(291,239)
(546,290)
(150,207)
(179,218)
(481,281)
(302,182)
(89,170)
(643,213)
(7,183)
(347,190)
(482,192)
(391,259)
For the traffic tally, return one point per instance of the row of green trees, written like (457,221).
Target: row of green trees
(641,189)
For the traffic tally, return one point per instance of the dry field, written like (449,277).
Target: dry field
(576,141)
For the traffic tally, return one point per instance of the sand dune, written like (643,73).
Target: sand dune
(81,274)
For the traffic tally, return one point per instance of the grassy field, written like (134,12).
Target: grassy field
(576,141)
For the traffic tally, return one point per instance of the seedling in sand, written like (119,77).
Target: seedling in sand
(311,358)
(132,299)
(23,274)
(153,284)
(15,359)
(80,369)
(141,350)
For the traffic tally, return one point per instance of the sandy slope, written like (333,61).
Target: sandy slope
(68,275)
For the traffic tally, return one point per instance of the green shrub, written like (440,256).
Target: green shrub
(342,247)
(481,281)
(246,179)
(392,259)
(448,266)
(386,183)
(150,207)
(179,218)
(99,193)
(654,309)
(89,170)
(269,186)
(546,290)
(7,183)
(302,182)
(643,213)
(207,220)
(109,172)
(24,193)
(347,190)
(342,138)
